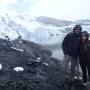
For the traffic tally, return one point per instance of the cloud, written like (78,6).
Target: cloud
(15,6)
(5,4)
(62,9)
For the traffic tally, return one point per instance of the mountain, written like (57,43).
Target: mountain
(35,28)
(28,66)
(41,71)
(83,22)
(53,21)
(27,27)
(13,26)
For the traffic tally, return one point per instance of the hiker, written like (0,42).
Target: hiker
(70,47)
(84,57)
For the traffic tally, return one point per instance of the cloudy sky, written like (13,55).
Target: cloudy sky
(61,9)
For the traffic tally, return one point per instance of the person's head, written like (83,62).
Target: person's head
(77,29)
(84,36)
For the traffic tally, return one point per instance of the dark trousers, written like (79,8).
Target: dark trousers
(85,67)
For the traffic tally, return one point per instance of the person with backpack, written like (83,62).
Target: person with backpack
(84,56)
(70,47)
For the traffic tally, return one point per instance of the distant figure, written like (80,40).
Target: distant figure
(84,57)
(70,46)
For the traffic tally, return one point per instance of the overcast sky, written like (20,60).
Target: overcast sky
(61,9)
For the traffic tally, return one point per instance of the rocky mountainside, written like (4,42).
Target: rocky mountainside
(27,66)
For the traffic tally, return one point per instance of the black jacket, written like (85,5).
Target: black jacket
(84,55)
(70,45)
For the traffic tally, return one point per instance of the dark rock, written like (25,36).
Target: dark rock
(42,75)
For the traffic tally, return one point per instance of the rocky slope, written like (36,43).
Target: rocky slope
(25,65)
(40,70)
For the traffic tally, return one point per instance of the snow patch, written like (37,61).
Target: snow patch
(19,69)
(0,66)
(17,49)
(38,60)
(46,64)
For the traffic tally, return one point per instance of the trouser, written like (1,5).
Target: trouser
(85,67)
(74,63)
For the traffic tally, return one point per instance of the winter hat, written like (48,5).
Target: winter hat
(77,26)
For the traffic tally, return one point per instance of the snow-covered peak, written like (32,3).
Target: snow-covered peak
(30,29)
(26,26)
(13,25)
